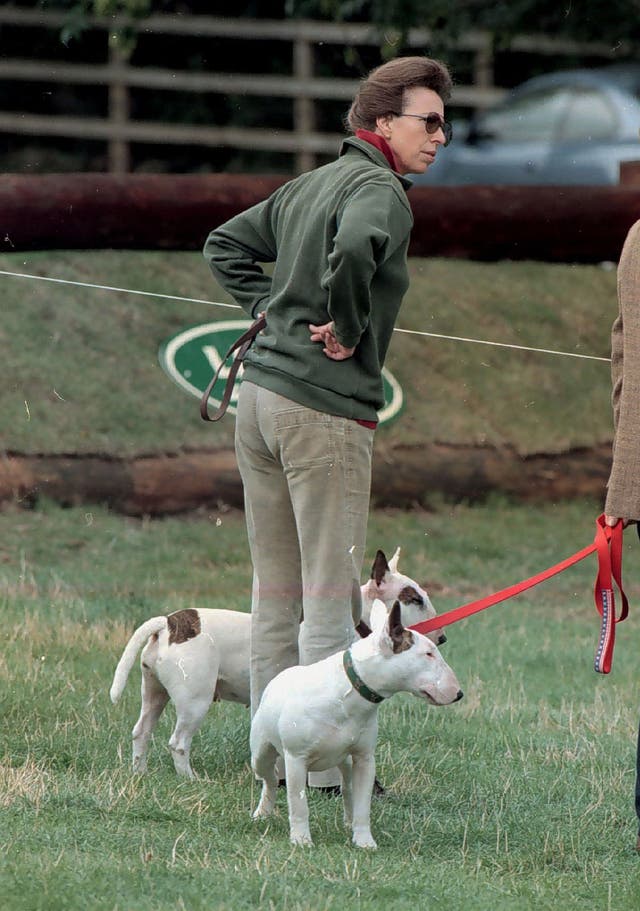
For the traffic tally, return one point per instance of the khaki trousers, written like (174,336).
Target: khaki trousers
(307,481)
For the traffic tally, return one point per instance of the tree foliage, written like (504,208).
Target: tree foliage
(613,21)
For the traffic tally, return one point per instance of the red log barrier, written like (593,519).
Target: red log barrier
(553,224)
(136,211)
(151,211)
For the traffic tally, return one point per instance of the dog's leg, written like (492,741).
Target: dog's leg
(190,716)
(154,699)
(346,771)
(189,671)
(296,774)
(364,773)
(264,767)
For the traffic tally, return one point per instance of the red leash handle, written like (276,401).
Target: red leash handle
(608,545)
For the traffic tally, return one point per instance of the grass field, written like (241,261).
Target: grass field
(80,371)
(519,797)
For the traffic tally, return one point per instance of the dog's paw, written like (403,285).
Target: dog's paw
(303,840)
(364,840)
(262,812)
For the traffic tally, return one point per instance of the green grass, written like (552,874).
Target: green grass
(80,371)
(519,797)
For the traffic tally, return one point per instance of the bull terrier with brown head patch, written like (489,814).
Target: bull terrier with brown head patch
(326,714)
(388,585)
(194,657)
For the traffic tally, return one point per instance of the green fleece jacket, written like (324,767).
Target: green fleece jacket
(338,238)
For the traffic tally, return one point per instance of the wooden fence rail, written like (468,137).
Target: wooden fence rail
(118,130)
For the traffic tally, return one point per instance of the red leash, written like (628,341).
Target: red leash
(608,546)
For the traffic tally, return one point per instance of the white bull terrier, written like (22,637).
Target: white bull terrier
(326,714)
(197,656)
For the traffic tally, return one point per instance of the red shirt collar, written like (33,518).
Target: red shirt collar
(380,143)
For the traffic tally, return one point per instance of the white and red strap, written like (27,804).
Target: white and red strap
(607,545)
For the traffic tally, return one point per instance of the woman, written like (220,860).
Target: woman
(338,237)
(623,489)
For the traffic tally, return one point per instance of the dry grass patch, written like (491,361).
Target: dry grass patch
(80,636)
(30,781)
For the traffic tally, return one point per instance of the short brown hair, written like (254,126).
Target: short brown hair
(382,91)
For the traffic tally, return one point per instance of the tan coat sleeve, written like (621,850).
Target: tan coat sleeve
(623,488)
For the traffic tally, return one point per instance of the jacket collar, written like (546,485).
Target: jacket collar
(379,142)
(375,155)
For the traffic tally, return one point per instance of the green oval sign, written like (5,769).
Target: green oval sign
(192,357)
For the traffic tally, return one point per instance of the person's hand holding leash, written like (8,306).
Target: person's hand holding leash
(612,521)
(332,347)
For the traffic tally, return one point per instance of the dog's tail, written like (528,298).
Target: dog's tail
(133,646)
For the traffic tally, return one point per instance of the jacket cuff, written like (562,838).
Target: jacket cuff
(259,307)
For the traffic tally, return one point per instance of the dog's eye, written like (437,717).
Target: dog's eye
(430,655)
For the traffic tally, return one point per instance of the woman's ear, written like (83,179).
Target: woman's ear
(383,125)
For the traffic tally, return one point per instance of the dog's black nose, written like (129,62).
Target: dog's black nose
(459,696)
(442,639)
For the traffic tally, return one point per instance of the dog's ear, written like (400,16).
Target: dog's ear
(390,634)
(380,623)
(393,562)
(380,568)
(378,618)
(401,638)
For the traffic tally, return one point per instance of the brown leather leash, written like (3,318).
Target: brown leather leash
(241,345)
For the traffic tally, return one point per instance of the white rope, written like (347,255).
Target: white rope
(172,297)
(478,341)
(195,300)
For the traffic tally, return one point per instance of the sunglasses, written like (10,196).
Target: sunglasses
(432,123)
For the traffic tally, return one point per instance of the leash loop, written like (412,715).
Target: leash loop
(241,345)
(608,542)
(608,546)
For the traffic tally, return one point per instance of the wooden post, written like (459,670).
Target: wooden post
(303,108)
(119,110)
(483,65)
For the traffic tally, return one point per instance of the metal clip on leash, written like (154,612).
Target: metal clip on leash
(241,345)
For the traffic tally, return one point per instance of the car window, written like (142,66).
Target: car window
(589,117)
(532,117)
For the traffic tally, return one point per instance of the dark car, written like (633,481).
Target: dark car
(572,127)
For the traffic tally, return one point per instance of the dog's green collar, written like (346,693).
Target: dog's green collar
(357,682)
